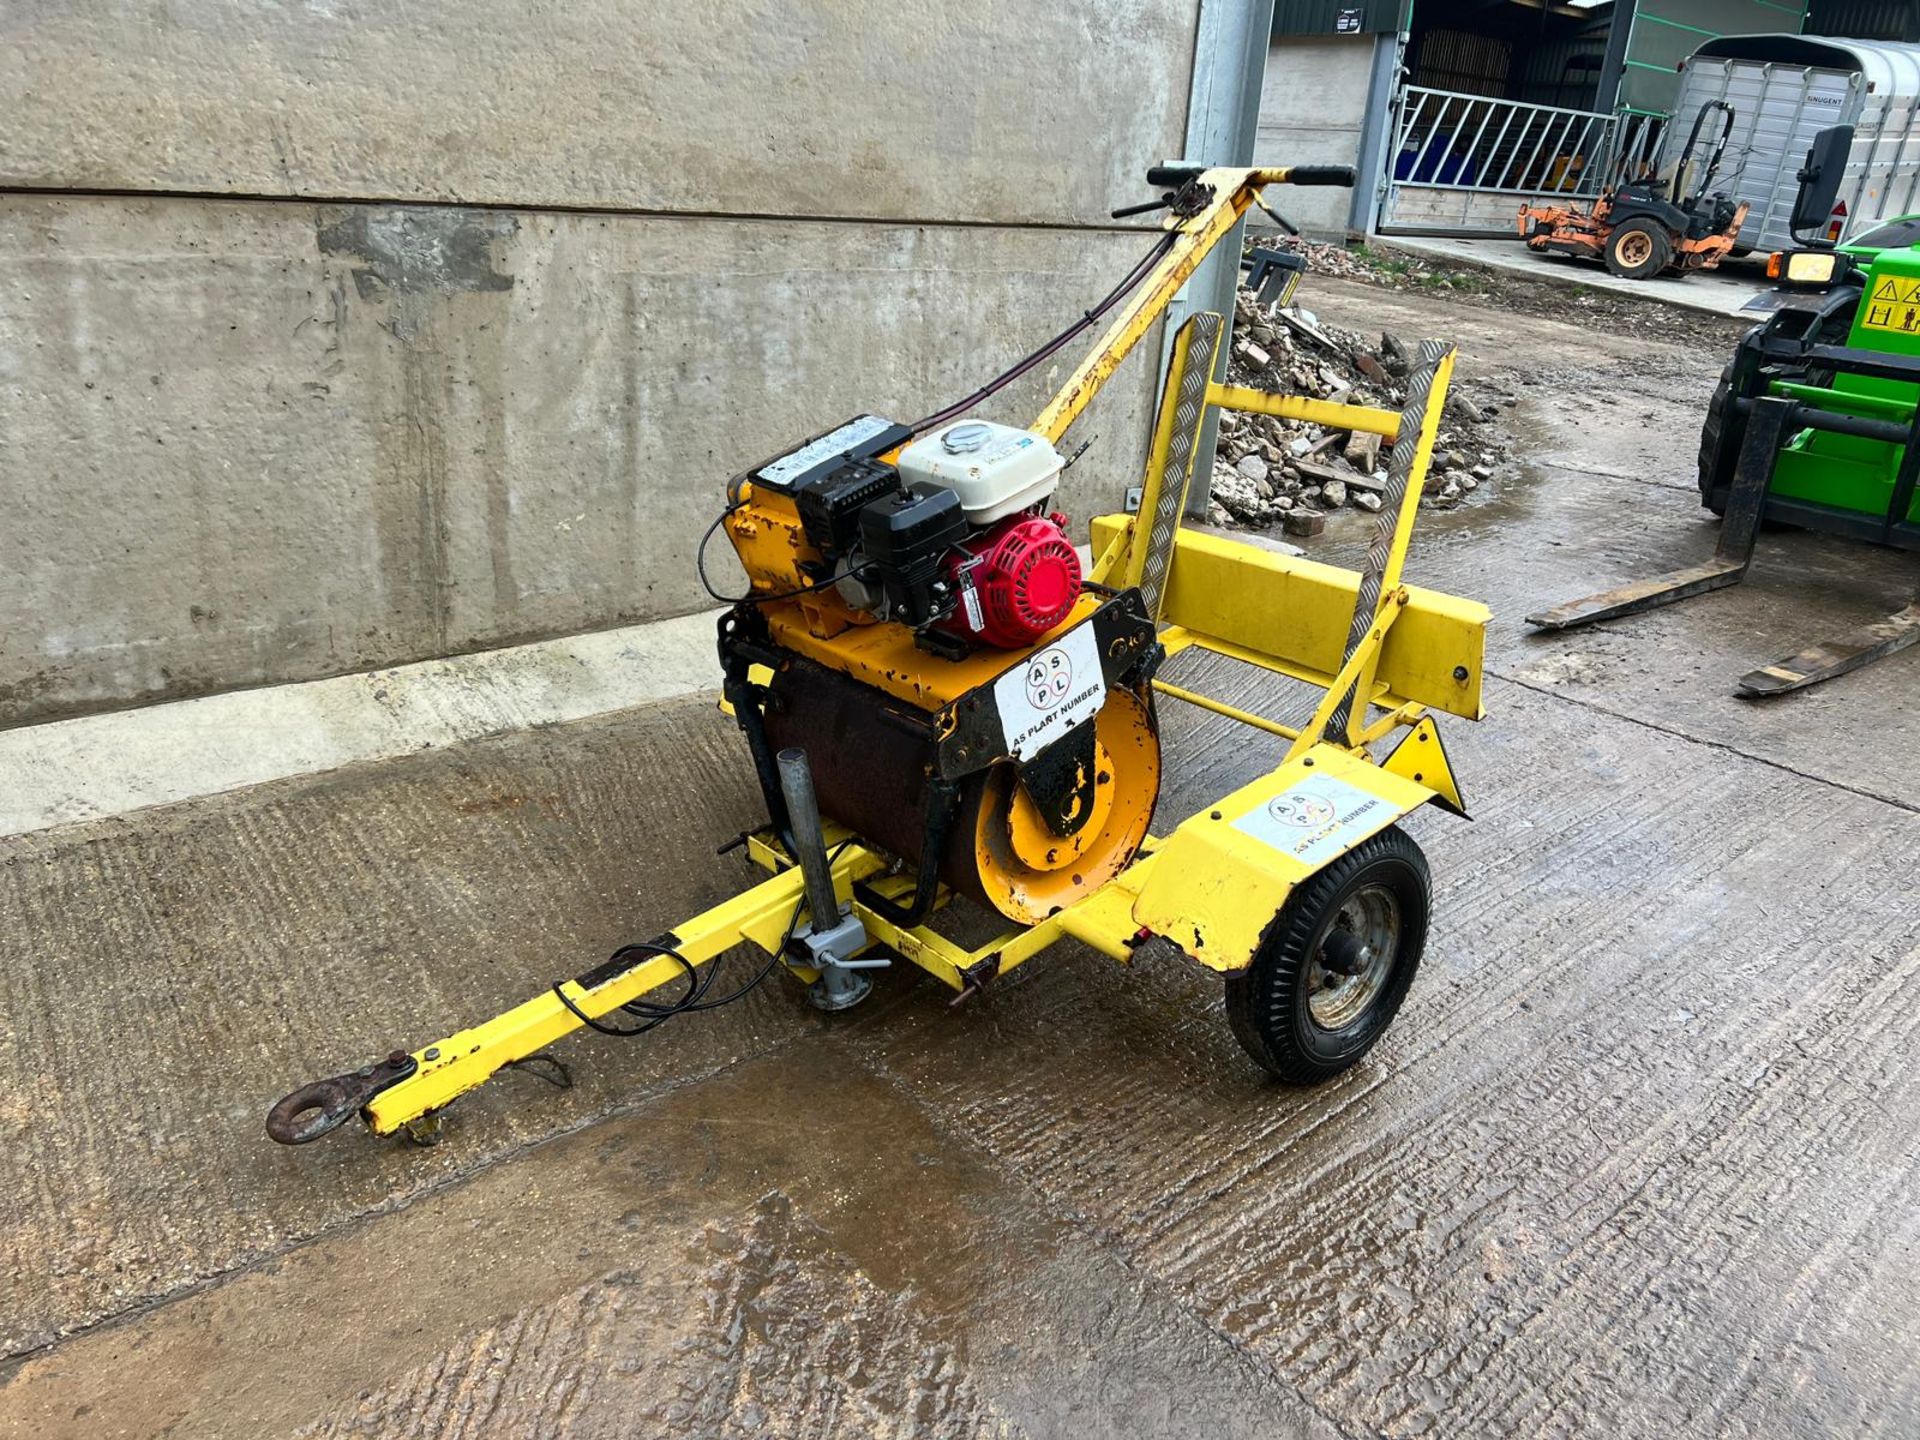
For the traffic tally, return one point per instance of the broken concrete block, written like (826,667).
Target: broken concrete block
(1306,522)
(1363,450)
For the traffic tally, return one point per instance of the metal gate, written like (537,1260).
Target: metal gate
(1462,164)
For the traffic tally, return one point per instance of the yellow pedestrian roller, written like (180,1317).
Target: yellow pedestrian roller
(940,698)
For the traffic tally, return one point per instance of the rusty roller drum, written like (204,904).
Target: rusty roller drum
(872,756)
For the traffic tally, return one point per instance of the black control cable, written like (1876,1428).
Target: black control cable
(999,382)
(1079,327)
(752,598)
(699,982)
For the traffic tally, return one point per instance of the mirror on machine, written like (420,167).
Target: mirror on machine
(1820,266)
(1820,177)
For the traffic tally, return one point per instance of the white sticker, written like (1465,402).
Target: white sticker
(970,598)
(1013,447)
(1317,819)
(835,442)
(1055,689)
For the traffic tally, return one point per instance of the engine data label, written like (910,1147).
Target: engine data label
(835,442)
(1317,819)
(1059,687)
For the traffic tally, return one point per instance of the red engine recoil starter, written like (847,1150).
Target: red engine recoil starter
(1016,581)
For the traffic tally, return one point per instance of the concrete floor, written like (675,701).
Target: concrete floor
(1638,1158)
(1727,289)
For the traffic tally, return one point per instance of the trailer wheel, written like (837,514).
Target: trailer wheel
(1335,963)
(1637,249)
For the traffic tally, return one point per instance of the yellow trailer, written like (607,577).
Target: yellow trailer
(914,745)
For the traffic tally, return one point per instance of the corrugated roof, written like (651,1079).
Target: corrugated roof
(1889,67)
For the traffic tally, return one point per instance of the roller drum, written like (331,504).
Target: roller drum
(873,758)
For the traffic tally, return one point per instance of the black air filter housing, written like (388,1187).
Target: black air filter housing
(830,504)
(904,537)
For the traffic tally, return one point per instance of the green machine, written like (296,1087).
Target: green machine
(1815,424)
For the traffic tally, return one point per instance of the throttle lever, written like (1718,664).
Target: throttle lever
(1277,218)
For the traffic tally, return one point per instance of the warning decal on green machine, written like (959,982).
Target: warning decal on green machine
(1894,305)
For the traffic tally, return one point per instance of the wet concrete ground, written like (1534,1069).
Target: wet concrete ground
(1638,1157)
(1723,290)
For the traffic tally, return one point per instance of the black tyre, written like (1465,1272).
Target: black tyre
(1720,436)
(1724,430)
(1335,963)
(1637,249)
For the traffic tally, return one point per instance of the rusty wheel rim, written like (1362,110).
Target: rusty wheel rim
(1371,915)
(1636,248)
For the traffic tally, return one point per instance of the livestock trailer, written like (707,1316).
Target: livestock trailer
(1785,89)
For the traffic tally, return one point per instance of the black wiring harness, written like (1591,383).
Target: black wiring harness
(699,982)
(1086,322)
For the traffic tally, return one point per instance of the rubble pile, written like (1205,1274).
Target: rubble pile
(1392,270)
(1280,472)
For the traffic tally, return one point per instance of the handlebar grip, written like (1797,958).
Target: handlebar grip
(1172,177)
(1320,175)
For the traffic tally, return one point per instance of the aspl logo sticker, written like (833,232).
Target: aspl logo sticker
(1300,810)
(1049,678)
(1316,819)
(1050,692)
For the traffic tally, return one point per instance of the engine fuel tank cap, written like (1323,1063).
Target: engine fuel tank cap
(961,439)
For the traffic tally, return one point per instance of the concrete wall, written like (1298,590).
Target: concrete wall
(1313,111)
(417,329)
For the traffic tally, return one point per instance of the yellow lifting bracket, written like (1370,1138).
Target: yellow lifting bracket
(1225,872)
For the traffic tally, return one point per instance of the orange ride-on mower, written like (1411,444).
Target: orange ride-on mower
(1644,228)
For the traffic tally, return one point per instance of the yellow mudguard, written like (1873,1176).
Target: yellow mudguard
(1219,879)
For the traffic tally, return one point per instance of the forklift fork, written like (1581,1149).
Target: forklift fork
(1835,657)
(1770,420)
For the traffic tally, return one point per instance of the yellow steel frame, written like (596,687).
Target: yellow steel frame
(759,916)
(1224,583)
(1233,190)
